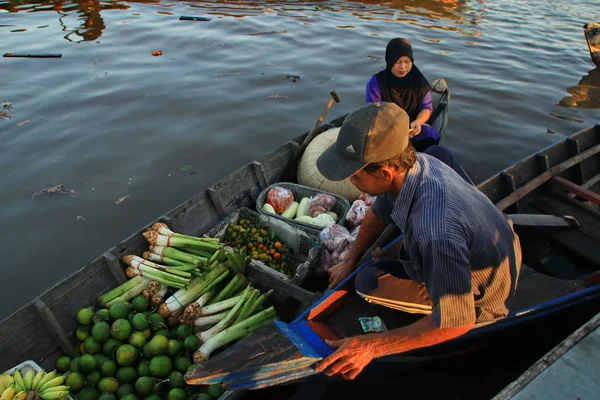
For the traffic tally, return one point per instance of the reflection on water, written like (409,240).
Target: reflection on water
(90,24)
(586,94)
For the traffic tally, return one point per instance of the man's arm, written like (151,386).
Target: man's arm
(357,352)
(370,229)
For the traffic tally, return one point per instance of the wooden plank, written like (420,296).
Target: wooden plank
(543,220)
(574,149)
(333,302)
(216,199)
(259,170)
(548,361)
(115,268)
(591,182)
(509,181)
(54,327)
(577,190)
(544,177)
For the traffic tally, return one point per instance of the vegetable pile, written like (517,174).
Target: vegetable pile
(32,385)
(261,243)
(313,211)
(186,298)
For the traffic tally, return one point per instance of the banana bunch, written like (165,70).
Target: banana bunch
(33,386)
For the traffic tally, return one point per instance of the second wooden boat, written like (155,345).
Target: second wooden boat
(592,37)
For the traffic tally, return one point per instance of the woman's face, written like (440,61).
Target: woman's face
(402,67)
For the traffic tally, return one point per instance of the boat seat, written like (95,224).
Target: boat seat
(536,288)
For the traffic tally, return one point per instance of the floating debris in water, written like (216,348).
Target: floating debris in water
(80,218)
(216,76)
(567,118)
(5,107)
(549,131)
(191,18)
(276,97)
(265,33)
(374,58)
(22,122)
(60,189)
(184,168)
(157,53)
(293,78)
(121,199)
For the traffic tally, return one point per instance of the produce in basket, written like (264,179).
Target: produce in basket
(280,199)
(320,204)
(262,245)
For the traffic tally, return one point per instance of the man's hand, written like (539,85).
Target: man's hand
(351,356)
(339,272)
(415,129)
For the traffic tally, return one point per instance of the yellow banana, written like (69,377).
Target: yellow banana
(54,382)
(19,384)
(28,379)
(37,379)
(54,395)
(46,378)
(20,396)
(3,383)
(8,394)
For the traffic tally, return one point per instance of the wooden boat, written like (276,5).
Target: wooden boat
(552,196)
(592,37)
(44,328)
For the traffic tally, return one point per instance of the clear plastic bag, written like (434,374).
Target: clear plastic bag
(280,198)
(357,212)
(320,204)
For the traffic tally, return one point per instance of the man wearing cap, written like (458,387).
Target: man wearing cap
(460,258)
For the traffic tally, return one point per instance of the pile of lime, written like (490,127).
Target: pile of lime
(128,352)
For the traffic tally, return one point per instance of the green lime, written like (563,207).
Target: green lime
(215,391)
(146,351)
(75,381)
(140,304)
(158,345)
(108,346)
(102,315)
(174,348)
(107,396)
(147,333)
(82,333)
(163,332)
(130,396)
(119,310)
(100,358)
(85,315)
(62,364)
(74,365)
(87,394)
(140,322)
(183,331)
(176,380)
(108,368)
(182,363)
(137,339)
(108,385)
(125,388)
(126,355)
(143,368)
(160,366)
(92,379)
(176,394)
(153,397)
(192,343)
(145,385)
(120,329)
(203,396)
(127,374)
(91,346)
(101,331)
(87,363)
(157,321)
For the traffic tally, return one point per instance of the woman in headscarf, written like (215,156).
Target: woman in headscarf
(402,83)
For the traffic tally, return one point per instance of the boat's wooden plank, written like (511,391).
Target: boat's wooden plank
(568,371)
(544,177)
(591,182)
(267,279)
(543,220)
(24,336)
(115,268)
(239,189)
(584,240)
(574,149)
(275,162)
(577,190)
(55,328)
(196,216)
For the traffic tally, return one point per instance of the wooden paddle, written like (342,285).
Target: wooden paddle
(290,170)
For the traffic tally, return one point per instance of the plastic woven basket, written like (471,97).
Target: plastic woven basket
(305,249)
(341,207)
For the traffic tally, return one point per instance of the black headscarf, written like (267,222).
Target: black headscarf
(407,92)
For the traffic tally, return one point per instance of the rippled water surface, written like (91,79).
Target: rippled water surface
(134,134)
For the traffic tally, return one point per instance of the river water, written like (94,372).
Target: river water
(134,135)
